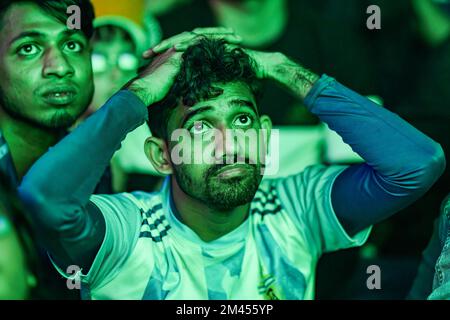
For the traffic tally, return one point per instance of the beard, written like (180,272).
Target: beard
(60,120)
(220,194)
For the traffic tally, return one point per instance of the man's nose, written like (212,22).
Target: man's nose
(56,64)
(226,146)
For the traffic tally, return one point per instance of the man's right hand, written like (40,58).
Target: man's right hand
(155,80)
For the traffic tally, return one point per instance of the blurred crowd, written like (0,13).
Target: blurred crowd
(405,66)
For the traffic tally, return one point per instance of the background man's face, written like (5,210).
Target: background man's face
(114,63)
(45,67)
(220,185)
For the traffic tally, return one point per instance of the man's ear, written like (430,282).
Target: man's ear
(264,138)
(266,124)
(157,152)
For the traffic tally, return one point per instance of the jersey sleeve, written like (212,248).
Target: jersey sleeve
(307,199)
(122,217)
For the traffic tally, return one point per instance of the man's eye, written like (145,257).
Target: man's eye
(199,127)
(28,50)
(243,121)
(73,46)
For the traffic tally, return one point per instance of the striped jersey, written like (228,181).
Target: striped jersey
(147,253)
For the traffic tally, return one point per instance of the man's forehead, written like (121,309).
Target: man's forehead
(233,94)
(25,17)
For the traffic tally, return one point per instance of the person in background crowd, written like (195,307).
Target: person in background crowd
(46,84)
(18,255)
(120,37)
(432,276)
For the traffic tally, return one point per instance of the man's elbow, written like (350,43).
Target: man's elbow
(432,168)
(31,196)
(44,212)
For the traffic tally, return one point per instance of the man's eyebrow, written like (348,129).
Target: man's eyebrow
(192,113)
(30,34)
(37,34)
(70,32)
(244,103)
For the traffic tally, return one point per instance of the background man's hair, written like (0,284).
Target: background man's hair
(58,9)
(208,62)
(108,33)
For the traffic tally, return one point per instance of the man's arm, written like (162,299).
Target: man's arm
(441,283)
(401,162)
(58,186)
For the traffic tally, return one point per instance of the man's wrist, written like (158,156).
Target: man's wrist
(140,91)
(292,75)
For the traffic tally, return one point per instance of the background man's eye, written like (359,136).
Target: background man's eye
(73,46)
(28,50)
(99,62)
(128,62)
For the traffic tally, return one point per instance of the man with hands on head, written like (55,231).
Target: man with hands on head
(216,231)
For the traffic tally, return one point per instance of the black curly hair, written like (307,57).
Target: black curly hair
(206,63)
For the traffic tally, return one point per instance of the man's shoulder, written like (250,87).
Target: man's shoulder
(142,200)
(306,177)
(289,192)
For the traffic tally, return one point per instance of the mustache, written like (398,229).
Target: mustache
(218,166)
(57,86)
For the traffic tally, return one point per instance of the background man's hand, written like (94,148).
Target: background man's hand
(155,80)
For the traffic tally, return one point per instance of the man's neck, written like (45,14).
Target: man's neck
(26,142)
(208,223)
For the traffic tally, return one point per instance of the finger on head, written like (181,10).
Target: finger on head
(214,30)
(169,43)
(148,54)
(234,38)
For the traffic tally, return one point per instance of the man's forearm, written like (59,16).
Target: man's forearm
(401,162)
(291,75)
(58,186)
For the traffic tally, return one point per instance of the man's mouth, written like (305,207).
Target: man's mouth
(60,96)
(233,171)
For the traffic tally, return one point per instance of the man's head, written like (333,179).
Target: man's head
(214,95)
(46,68)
